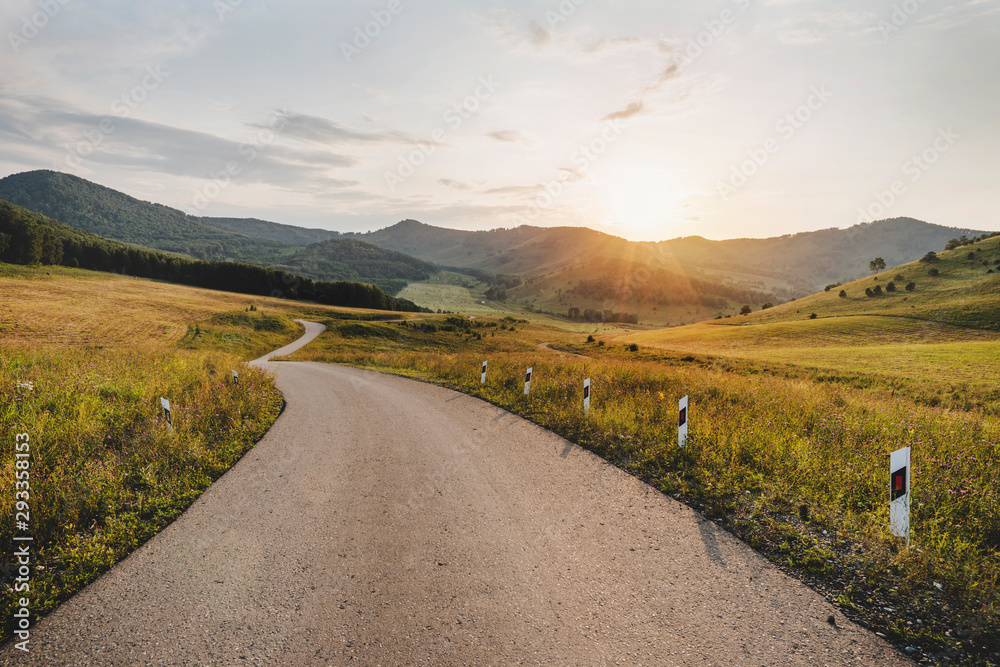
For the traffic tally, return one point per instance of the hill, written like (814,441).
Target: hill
(29,238)
(114,215)
(930,321)
(679,281)
(349,259)
(798,263)
(273,231)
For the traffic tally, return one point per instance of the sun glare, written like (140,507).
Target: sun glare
(644,201)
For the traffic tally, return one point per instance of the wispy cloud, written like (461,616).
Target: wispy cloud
(510,137)
(324,131)
(55,131)
(457,185)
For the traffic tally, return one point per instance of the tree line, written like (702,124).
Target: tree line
(29,238)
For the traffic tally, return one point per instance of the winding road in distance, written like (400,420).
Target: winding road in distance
(382,521)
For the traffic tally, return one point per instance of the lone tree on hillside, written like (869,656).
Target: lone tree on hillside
(746,310)
(843,294)
(876,265)
(930,257)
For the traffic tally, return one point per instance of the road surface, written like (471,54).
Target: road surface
(383,521)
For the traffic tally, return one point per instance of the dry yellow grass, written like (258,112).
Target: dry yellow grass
(52,306)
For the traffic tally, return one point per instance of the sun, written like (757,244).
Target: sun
(647,201)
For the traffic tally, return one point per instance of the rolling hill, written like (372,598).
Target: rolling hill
(114,215)
(937,316)
(349,259)
(671,282)
(803,262)
(29,238)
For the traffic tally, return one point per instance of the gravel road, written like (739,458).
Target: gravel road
(383,521)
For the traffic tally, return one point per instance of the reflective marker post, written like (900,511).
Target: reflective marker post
(586,396)
(165,404)
(899,493)
(682,422)
(482,380)
(527,381)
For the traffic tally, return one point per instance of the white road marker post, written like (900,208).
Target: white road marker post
(482,379)
(165,404)
(899,493)
(527,381)
(236,377)
(682,422)
(586,396)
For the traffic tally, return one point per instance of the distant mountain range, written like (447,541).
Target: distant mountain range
(675,281)
(669,282)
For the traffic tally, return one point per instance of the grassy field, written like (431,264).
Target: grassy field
(792,460)
(456,293)
(891,347)
(84,360)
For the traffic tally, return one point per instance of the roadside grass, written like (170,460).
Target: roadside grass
(105,473)
(84,360)
(788,459)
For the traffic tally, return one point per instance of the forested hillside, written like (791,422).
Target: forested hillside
(349,259)
(113,215)
(30,238)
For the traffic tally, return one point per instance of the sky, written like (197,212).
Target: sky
(646,120)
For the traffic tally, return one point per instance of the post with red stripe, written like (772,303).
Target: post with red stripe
(899,493)
(682,422)
(482,379)
(586,396)
(527,381)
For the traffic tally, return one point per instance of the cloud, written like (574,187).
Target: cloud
(573,175)
(638,106)
(324,131)
(819,26)
(510,136)
(515,190)
(633,109)
(610,44)
(451,183)
(68,139)
(538,35)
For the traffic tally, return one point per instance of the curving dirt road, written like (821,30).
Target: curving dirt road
(383,521)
